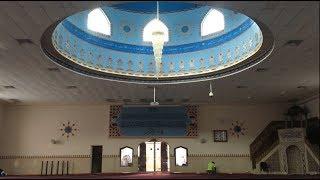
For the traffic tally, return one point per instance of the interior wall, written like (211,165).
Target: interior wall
(29,130)
(312,104)
(1,121)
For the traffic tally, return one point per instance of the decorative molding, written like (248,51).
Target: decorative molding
(42,156)
(219,155)
(175,49)
(108,156)
(48,48)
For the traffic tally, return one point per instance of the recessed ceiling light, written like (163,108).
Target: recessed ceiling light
(9,87)
(71,87)
(302,87)
(261,69)
(53,69)
(293,42)
(249,97)
(242,87)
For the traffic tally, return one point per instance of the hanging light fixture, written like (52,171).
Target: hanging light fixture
(210,92)
(158,39)
(154,103)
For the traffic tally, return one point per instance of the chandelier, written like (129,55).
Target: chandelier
(158,39)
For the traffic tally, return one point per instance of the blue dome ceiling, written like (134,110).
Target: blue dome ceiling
(124,56)
(151,7)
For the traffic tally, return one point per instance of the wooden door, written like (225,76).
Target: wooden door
(142,157)
(96,163)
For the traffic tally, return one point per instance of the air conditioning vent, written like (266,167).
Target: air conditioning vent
(185,100)
(24,41)
(242,87)
(9,87)
(261,69)
(14,100)
(293,43)
(294,100)
(302,87)
(54,69)
(110,100)
(127,100)
(71,87)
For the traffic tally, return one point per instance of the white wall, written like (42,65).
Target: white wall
(29,129)
(312,105)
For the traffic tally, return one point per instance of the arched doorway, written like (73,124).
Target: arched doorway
(294,160)
(153,156)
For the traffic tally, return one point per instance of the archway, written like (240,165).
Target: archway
(294,160)
(153,156)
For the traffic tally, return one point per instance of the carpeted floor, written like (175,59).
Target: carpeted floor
(165,176)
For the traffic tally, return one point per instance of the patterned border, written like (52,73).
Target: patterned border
(110,156)
(114,113)
(137,49)
(192,113)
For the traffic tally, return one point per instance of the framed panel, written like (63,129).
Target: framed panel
(220,135)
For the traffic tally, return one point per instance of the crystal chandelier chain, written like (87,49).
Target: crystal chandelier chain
(157,45)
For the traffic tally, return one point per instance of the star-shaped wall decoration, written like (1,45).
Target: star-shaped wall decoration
(69,129)
(237,129)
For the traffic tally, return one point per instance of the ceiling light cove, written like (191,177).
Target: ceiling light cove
(168,43)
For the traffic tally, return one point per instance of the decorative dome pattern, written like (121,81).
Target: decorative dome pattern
(187,56)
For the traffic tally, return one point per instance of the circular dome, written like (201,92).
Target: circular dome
(204,43)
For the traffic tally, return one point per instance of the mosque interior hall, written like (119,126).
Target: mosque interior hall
(159,90)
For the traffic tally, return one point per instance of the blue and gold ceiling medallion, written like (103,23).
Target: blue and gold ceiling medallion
(193,53)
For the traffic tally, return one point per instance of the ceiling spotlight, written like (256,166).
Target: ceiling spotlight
(210,93)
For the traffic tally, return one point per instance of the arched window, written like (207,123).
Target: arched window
(153,25)
(126,156)
(181,156)
(99,22)
(213,22)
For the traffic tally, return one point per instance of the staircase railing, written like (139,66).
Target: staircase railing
(265,141)
(268,138)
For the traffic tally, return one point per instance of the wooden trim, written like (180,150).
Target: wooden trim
(110,156)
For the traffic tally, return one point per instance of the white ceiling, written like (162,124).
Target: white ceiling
(26,68)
